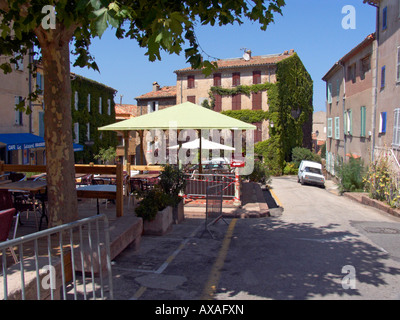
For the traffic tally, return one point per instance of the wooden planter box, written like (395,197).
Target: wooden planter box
(160,225)
(178,212)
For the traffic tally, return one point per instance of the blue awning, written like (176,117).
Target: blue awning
(21,141)
(78,147)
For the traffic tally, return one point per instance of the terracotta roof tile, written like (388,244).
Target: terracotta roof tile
(125,111)
(254,61)
(164,92)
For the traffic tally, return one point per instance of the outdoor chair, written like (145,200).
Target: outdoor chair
(16,176)
(6,202)
(85,180)
(6,219)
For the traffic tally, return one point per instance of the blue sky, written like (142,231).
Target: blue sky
(313,28)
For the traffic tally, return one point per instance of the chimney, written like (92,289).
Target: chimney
(286,53)
(156,86)
(291,51)
(249,53)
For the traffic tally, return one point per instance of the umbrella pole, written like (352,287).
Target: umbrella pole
(200,166)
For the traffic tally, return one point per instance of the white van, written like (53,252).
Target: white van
(311,172)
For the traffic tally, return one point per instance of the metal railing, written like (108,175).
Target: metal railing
(60,259)
(213,207)
(197,184)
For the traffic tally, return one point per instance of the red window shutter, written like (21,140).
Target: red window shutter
(237,102)
(191,99)
(258,132)
(190,82)
(217,79)
(256,77)
(235,79)
(256,100)
(217,103)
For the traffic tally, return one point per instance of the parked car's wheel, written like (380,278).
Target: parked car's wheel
(302,181)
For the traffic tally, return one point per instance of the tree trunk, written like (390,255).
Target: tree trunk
(62,199)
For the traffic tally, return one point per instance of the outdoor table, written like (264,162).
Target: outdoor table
(98,191)
(32,187)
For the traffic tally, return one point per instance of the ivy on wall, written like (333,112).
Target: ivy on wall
(98,139)
(290,109)
(249,116)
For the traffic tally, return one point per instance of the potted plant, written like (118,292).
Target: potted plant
(173,183)
(156,211)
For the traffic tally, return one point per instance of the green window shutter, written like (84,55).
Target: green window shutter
(363,121)
(337,128)
(330,128)
(329,92)
(350,113)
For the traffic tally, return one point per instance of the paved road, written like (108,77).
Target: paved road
(322,247)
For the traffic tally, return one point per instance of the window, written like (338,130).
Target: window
(348,122)
(337,128)
(351,73)
(365,66)
(338,88)
(384,18)
(76,100)
(76,132)
(18,114)
(382,122)
(235,79)
(39,81)
(88,102)
(217,79)
(398,64)
(258,132)
(383,76)
(256,100)
(329,134)
(363,121)
(109,107)
(152,106)
(88,131)
(191,99)
(217,103)
(396,128)
(190,82)
(256,77)
(19,65)
(329,93)
(100,105)
(237,102)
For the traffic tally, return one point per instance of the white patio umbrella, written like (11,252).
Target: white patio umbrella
(205,144)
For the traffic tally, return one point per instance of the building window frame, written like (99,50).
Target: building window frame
(190,82)
(396,129)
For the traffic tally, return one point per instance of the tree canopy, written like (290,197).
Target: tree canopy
(54,25)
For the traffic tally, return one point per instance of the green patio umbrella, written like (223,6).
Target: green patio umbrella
(186,115)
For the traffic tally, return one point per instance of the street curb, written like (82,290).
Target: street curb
(364,199)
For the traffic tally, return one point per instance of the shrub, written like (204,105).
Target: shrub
(350,175)
(260,173)
(172,182)
(290,169)
(299,154)
(380,183)
(155,200)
